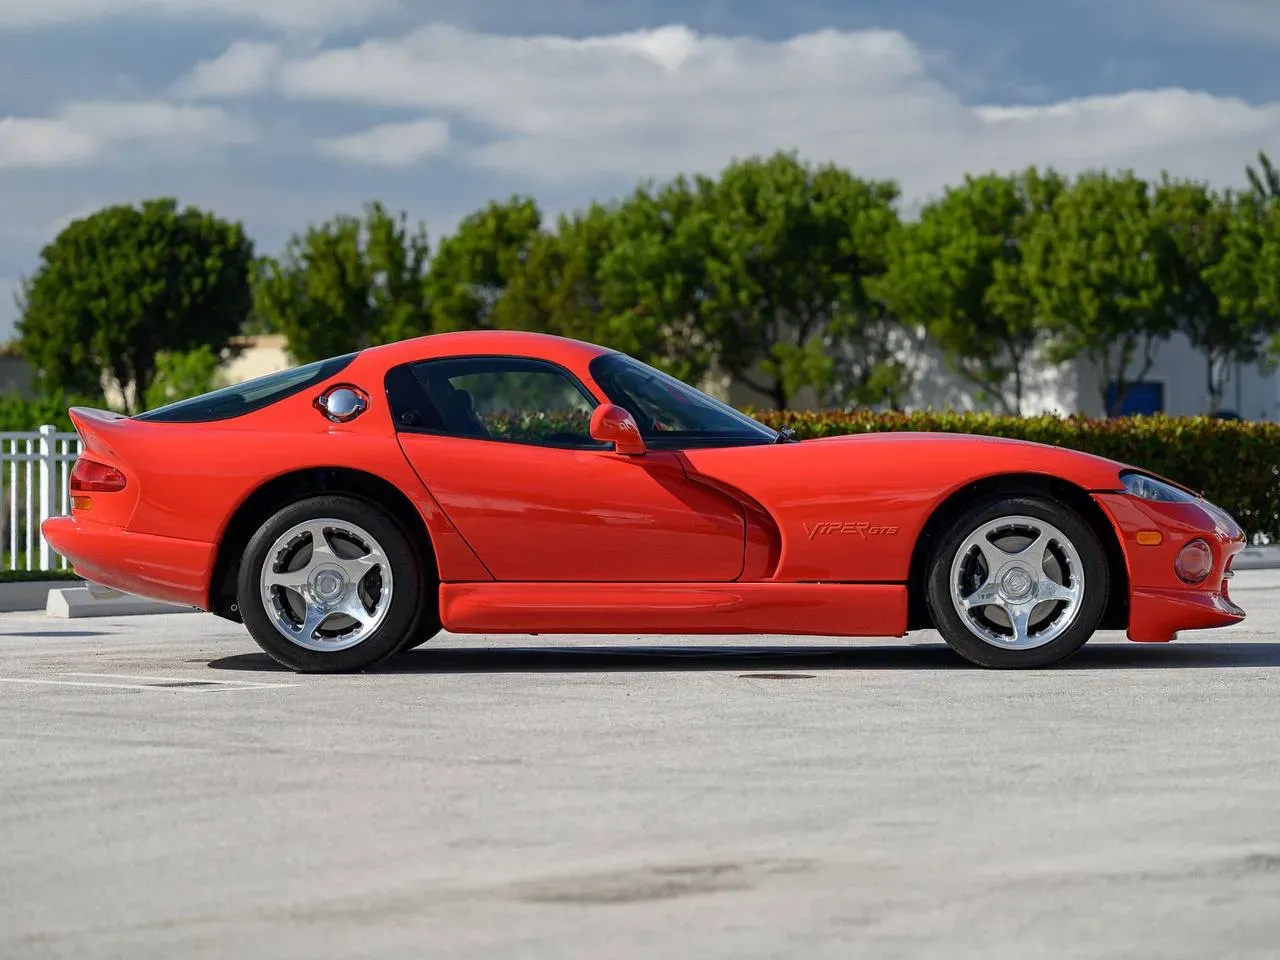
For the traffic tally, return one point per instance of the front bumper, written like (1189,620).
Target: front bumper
(1160,604)
(158,568)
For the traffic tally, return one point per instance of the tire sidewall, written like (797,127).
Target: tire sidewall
(408,598)
(1093,604)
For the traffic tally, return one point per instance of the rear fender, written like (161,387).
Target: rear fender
(102,439)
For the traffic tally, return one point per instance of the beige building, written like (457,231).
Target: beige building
(255,357)
(15,373)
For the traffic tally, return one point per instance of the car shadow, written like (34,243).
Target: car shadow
(598,659)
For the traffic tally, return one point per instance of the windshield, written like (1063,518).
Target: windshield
(672,413)
(242,398)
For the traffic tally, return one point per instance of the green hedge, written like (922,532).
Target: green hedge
(31,576)
(1236,464)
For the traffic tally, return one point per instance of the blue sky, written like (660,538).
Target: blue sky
(283,112)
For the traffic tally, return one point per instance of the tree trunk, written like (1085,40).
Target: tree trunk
(1215,385)
(1104,381)
(1017,385)
(781,399)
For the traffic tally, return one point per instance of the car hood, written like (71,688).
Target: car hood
(915,444)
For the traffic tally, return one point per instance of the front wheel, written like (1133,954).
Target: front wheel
(1018,582)
(332,584)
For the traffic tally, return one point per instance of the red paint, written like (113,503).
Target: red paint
(539,513)
(814,537)
(612,424)
(803,609)
(1160,603)
(162,568)
(886,480)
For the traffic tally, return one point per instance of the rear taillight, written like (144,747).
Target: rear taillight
(89,476)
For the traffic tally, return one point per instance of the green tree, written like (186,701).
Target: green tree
(1100,266)
(116,288)
(1216,241)
(957,272)
(653,279)
(183,374)
(472,267)
(555,287)
(792,248)
(346,284)
(1245,280)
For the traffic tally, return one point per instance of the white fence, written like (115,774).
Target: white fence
(34,469)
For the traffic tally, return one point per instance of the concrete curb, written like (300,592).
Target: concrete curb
(1258,558)
(25,595)
(77,602)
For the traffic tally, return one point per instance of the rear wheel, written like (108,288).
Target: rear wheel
(333,584)
(1018,582)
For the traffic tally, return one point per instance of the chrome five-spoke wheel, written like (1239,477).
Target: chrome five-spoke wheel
(326,584)
(1017,581)
(334,583)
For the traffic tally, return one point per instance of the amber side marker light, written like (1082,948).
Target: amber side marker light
(1150,538)
(90,476)
(81,503)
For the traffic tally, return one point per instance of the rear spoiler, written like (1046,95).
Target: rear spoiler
(96,427)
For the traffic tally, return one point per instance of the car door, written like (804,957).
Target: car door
(502,443)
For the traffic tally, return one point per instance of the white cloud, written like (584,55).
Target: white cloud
(245,68)
(81,131)
(295,15)
(657,102)
(42,142)
(155,121)
(390,145)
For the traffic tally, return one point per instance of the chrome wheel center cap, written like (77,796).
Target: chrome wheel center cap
(1017,584)
(328,585)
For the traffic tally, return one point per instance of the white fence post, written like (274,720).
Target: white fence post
(48,487)
(34,465)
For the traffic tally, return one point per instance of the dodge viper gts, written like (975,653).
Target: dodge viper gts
(508,482)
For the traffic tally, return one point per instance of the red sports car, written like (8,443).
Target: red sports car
(505,482)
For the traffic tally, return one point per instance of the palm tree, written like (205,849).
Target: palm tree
(1266,184)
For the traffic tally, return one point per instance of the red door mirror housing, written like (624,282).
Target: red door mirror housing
(612,424)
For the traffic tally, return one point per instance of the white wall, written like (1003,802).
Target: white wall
(1070,388)
(1181,368)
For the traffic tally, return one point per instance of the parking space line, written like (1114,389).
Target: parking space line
(199,680)
(157,683)
(79,683)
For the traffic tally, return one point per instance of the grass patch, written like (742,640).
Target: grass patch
(30,576)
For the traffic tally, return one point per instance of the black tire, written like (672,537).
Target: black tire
(428,624)
(413,601)
(1092,604)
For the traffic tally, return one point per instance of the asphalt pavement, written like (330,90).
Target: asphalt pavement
(166,792)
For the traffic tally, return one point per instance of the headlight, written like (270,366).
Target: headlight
(1149,488)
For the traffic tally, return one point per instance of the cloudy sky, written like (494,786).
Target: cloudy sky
(283,112)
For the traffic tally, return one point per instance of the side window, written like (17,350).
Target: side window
(507,398)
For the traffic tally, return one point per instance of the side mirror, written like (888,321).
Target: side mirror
(612,424)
